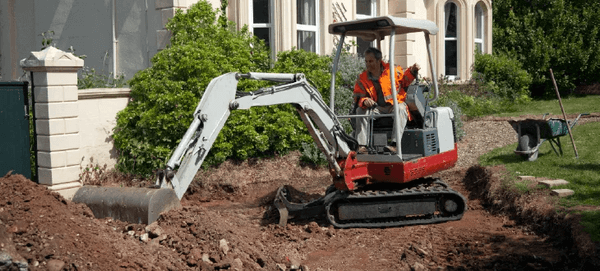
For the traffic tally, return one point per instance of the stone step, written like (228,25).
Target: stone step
(552,183)
(562,192)
(529,178)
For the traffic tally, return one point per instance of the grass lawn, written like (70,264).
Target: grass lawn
(573,105)
(583,174)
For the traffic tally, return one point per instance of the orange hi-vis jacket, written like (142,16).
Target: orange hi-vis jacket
(364,87)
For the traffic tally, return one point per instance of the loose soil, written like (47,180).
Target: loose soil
(227,222)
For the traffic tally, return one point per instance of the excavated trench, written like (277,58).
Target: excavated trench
(535,210)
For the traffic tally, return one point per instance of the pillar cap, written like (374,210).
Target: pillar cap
(51,59)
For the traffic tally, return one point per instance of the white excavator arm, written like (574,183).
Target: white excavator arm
(221,97)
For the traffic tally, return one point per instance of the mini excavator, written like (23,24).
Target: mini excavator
(373,189)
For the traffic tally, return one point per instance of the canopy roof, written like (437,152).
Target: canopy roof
(379,27)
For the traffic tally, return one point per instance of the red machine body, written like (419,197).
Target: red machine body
(362,173)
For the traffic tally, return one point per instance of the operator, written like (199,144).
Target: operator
(373,92)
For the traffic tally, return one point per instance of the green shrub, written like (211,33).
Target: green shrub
(503,76)
(312,155)
(318,71)
(91,79)
(471,99)
(498,84)
(164,96)
(316,68)
(258,132)
(349,68)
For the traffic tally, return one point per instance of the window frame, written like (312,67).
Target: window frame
(309,28)
(363,16)
(270,25)
(373,11)
(481,31)
(455,39)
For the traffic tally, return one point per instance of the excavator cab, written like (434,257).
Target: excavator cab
(420,138)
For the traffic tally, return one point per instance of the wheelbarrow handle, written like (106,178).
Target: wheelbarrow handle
(572,124)
(544,116)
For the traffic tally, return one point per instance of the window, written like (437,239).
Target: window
(479,28)
(306,19)
(260,20)
(365,9)
(451,40)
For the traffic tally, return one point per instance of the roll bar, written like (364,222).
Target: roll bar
(377,28)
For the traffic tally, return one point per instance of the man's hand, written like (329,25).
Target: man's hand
(368,102)
(414,69)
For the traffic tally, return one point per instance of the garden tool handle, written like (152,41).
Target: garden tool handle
(564,114)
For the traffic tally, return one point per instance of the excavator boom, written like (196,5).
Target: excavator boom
(221,97)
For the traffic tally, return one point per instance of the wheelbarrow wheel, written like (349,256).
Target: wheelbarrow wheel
(527,143)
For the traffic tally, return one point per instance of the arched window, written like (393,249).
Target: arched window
(479,29)
(451,44)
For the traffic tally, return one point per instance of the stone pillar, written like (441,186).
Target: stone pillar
(56,115)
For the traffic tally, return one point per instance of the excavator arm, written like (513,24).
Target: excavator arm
(221,97)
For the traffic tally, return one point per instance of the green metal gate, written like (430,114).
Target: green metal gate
(14,129)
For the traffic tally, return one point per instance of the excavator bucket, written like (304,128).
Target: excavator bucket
(134,205)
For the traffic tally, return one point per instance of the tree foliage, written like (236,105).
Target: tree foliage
(164,96)
(558,34)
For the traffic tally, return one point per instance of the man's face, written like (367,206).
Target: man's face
(373,65)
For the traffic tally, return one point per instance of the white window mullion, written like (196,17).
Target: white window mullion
(365,9)
(307,25)
(479,28)
(451,40)
(262,28)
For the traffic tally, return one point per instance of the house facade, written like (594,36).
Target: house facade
(465,26)
(120,37)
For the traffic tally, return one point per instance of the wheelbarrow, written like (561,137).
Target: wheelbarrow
(533,132)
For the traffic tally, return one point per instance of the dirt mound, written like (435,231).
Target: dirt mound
(49,232)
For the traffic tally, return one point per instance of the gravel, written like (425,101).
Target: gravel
(482,137)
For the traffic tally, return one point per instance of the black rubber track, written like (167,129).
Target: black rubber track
(425,189)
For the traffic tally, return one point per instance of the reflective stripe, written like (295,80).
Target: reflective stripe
(388,97)
(360,95)
(361,86)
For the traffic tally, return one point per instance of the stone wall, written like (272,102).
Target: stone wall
(98,110)
(74,127)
